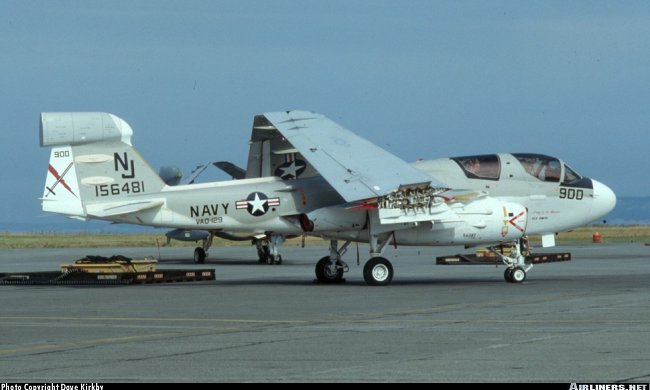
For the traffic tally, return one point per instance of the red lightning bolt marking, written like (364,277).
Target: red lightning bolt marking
(363,207)
(513,219)
(59,179)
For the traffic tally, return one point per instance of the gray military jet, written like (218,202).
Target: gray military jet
(307,175)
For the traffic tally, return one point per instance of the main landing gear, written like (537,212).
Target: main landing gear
(330,268)
(267,249)
(377,271)
(517,269)
(201,252)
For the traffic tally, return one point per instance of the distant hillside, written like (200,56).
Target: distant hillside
(60,224)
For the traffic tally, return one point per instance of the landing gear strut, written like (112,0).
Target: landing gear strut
(517,269)
(330,268)
(267,249)
(262,250)
(377,271)
(201,252)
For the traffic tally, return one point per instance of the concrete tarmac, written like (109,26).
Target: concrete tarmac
(587,320)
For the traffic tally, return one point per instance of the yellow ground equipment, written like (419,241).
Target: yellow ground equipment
(113,264)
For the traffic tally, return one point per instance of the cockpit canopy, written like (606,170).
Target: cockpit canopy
(546,168)
(484,166)
(539,166)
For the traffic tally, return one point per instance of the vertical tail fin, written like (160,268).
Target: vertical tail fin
(61,193)
(92,161)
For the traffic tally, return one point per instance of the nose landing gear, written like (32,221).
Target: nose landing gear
(516,261)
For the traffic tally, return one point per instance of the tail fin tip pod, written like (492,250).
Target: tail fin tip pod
(76,128)
(92,161)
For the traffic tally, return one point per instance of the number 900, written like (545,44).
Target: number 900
(571,193)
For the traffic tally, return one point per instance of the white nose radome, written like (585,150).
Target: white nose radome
(604,200)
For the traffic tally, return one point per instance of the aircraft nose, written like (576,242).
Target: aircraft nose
(604,200)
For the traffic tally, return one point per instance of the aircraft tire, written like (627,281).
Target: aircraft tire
(324,274)
(518,275)
(262,255)
(507,275)
(199,255)
(271,260)
(378,271)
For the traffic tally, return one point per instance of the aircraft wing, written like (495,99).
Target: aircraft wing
(355,167)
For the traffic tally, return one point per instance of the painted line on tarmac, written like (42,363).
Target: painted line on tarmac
(57,347)
(153,319)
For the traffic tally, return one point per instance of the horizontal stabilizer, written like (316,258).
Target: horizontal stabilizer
(233,170)
(103,210)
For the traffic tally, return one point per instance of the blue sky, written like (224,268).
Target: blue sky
(422,79)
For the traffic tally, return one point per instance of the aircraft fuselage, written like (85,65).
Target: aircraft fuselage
(264,205)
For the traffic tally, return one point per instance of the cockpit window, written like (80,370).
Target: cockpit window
(542,167)
(485,166)
(570,176)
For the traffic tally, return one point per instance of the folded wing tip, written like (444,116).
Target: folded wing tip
(353,165)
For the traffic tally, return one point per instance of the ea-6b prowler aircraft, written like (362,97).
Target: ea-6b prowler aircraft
(307,175)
